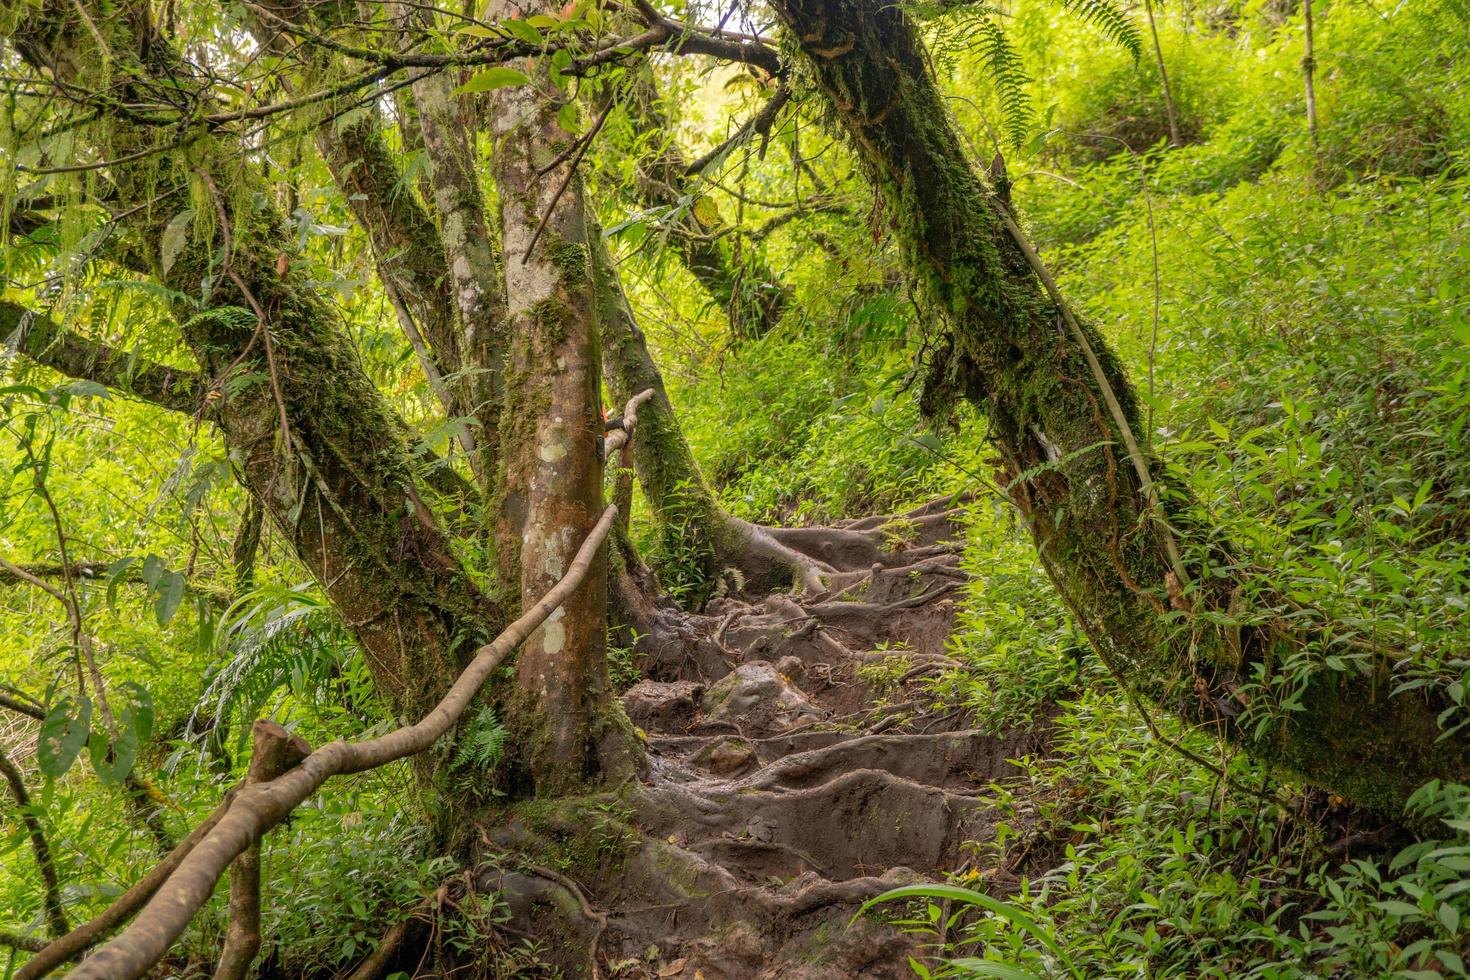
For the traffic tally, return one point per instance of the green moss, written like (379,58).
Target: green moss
(570,259)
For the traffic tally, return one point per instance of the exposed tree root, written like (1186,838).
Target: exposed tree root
(782,787)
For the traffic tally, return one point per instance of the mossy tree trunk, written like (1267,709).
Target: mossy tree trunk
(337,479)
(702,540)
(747,289)
(551,456)
(318,445)
(1007,349)
(442,277)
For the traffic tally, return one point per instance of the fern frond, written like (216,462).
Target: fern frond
(1107,17)
(1009,76)
(272,639)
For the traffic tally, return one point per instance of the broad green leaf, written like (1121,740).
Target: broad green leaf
(175,237)
(569,118)
(112,759)
(494,78)
(170,592)
(523,31)
(706,212)
(63,733)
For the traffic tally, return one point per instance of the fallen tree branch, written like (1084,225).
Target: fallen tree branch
(274,751)
(263,805)
(378,959)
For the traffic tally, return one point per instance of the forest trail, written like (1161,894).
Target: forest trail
(796,768)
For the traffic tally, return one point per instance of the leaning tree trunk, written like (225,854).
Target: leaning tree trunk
(1053,394)
(309,434)
(749,292)
(699,532)
(551,465)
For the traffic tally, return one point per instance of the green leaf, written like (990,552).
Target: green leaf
(1013,914)
(175,237)
(992,968)
(523,31)
(569,118)
(153,567)
(494,78)
(63,733)
(1401,909)
(113,759)
(170,593)
(138,714)
(115,574)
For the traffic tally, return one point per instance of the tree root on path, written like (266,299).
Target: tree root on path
(768,813)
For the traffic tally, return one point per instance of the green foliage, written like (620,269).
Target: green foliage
(1308,377)
(1107,17)
(472,754)
(276,639)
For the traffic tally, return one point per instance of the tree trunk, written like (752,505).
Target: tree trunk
(1006,348)
(551,484)
(725,551)
(308,432)
(749,291)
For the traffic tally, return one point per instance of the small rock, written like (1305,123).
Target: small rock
(791,668)
(655,705)
(726,757)
(755,697)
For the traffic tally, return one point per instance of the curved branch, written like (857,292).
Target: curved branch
(26,944)
(39,846)
(90,933)
(21,707)
(263,805)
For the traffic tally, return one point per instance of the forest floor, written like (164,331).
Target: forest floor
(797,766)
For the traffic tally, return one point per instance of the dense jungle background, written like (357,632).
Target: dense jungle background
(1037,440)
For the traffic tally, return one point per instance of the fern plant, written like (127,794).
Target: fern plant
(964,27)
(272,639)
(474,751)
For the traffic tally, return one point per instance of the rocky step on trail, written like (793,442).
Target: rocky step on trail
(783,788)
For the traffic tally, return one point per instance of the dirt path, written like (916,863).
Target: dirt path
(796,768)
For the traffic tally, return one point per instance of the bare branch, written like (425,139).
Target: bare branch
(21,707)
(761,123)
(89,934)
(29,944)
(274,751)
(55,915)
